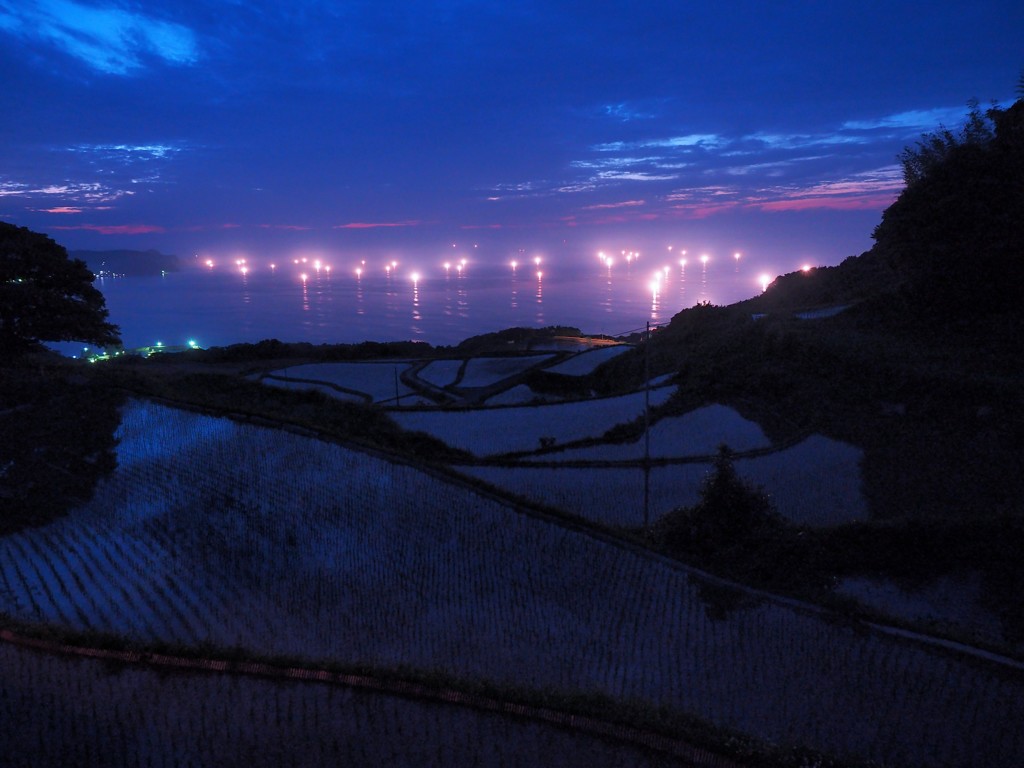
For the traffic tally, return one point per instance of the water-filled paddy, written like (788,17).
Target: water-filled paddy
(237,535)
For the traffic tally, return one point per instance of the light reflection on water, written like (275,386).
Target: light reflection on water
(218,306)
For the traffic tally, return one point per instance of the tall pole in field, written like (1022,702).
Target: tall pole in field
(647,425)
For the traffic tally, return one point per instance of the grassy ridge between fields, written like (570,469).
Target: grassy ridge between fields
(660,729)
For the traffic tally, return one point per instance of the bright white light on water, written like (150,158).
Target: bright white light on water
(682,263)
(704,259)
(736,256)
(273,266)
(317,265)
(539,274)
(303,277)
(536,260)
(209,263)
(415,277)
(514,264)
(359,271)
(447,266)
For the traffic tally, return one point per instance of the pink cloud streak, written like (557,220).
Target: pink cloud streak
(835,203)
(117,229)
(375,224)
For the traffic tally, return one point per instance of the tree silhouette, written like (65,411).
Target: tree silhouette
(47,296)
(955,235)
(729,514)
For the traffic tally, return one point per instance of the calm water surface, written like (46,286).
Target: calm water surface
(221,304)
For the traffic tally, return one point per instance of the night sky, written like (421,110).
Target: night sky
(765,128)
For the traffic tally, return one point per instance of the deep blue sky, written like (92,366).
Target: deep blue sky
(768,128)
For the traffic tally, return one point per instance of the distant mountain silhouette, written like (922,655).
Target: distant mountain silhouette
(125,262)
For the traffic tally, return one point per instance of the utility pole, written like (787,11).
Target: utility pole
(647,427)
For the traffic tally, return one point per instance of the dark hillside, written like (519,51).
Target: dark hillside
(955,237)
(912,353)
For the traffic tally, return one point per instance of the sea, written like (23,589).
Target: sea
(217,302)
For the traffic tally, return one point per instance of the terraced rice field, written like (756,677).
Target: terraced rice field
(58,712)
(211,531)
(494,431)
(375,382)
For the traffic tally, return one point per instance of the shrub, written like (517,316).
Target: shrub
(731,513)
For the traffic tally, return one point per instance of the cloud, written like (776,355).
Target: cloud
(613,162)
(803,140)
(376,224)
(78,192)
(108,38)
(706,140)
(912,120)
(863,191)
(702,209)
(628,111)
(116,229)
(127,153)
(701,193)
(60,209)
(623,204)
(858,203)
(635,176)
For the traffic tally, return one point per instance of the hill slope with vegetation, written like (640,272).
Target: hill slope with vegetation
(911,352)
